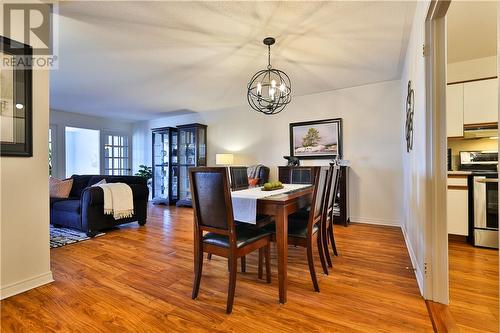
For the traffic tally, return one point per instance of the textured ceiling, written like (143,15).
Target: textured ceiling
(472,30)
(141,60)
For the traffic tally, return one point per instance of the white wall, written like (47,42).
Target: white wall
(24,204)
(60,119)
(372,141)
(471,69)
(414,163)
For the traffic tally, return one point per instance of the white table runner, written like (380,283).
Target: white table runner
(245,201)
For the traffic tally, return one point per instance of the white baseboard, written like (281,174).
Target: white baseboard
(370,220)
(25,285)
(419,275)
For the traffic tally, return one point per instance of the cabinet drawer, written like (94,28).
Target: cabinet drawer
(456,181)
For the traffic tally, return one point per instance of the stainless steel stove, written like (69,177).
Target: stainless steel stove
(483,196)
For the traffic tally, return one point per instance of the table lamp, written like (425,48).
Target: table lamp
(224,159)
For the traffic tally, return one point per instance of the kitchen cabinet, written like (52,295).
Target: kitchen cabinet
(455,110)
(480,100)
(457,206)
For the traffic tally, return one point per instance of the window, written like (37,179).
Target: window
(50,150)
(82,151)
(53,162)
(116,155)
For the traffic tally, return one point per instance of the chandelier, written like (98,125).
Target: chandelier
(269,89)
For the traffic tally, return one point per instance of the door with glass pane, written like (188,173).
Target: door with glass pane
(116,154)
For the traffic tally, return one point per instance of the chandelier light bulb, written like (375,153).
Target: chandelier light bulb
(259,89)
(282,87)
(273,83)
(271,93)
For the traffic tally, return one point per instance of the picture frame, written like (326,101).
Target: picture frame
(16,119)
(318,139)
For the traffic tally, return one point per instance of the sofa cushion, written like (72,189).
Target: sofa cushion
(60,188)
(80,182)
(67,206)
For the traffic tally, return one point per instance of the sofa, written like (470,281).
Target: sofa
(84,208)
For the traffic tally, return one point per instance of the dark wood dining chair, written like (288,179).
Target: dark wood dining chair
(213,215)
(304,228)
(328,212)
(239,177)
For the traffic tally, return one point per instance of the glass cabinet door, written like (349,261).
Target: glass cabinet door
(160,167)
(174,167)
(202,150)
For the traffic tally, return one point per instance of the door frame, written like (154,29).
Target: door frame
(436,232)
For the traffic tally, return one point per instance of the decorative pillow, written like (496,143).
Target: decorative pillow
(253,181)
(102,181)
(60,188)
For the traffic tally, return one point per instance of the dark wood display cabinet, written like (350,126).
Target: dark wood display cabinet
(165,166)
(192,153)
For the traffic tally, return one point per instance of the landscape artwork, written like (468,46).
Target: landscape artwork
(316,139)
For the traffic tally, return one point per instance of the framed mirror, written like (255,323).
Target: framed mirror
(16,127)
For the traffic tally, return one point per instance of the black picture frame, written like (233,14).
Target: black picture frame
(22,94)
(336,126)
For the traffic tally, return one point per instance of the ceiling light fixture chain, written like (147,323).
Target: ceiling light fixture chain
(269,89)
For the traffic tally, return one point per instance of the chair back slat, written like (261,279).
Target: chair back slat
(239,177)
(211,198)
(333,186)
(319,193)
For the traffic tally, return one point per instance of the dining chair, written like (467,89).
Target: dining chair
(215,230)
(239,181)
(239,177)
(304,229)
(328,212)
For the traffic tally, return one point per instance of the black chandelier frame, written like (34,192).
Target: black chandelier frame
(268,105)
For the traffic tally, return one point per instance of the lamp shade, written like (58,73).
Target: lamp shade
(224,159)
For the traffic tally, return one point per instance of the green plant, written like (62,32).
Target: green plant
(311,139)
(145,172)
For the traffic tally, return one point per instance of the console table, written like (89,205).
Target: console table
(304,175)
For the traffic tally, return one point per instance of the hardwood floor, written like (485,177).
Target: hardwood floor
(473,287)
(140,278)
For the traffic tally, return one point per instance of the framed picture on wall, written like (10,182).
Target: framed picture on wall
(16,138)
(319,139)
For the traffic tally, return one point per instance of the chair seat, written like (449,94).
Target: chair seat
(297,227)
(245,234)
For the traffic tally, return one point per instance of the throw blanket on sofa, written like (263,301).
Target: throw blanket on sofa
(253,171)
(118,200)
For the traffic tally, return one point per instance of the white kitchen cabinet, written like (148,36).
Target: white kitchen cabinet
(481,102)
(457,207)
(455,110)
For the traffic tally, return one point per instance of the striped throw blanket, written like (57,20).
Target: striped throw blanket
(253,171)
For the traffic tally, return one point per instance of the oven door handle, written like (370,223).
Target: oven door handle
(487,180)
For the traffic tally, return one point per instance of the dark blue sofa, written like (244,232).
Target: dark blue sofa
(84,208)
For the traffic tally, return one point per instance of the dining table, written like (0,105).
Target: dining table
(280,205)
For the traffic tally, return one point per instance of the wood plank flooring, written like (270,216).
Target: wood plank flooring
(473,287)
(139,279)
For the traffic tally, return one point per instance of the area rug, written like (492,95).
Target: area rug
(65,236)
